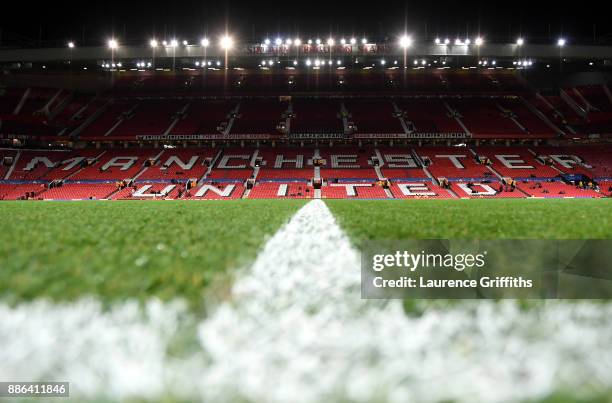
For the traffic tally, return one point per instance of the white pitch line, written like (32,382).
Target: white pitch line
(296,330)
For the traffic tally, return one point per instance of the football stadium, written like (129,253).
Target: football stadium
(305,212)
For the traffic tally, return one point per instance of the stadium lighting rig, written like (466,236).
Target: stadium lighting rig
(173,43)
(561,42)
(153,43)
(330,42)
(71,45)
(520,42)
(205,42)
(113,44)
(479,41)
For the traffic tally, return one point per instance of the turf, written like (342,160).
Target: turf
(474,219)
(119,250)
(169,249)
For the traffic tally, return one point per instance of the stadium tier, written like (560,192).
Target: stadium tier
(347,104)
(307,172)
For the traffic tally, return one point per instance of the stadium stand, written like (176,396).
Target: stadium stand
(453,162)
(344,172)
(256,133)
(276,190)
(353,191)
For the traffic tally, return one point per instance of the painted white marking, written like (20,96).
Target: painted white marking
(415,189)
(177,160)
(226,159)
(513,161)
(454,159)
(142,192)
(282,190)
(485,190)
(351,188)
(226,192)
(124,163)
(296,330)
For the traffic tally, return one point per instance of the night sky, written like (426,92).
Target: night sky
(91,22)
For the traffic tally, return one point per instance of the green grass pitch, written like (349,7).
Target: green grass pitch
(114,251)
(169,249)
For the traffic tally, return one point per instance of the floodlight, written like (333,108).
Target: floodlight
(173,43)
(405,41)
(479,41)
(353,41)
(113,44)
(205,42)
(561,42)
(297,42)
(227,42)
(278,41)
(153,43)
(520,41)
(330,42)
(71,45)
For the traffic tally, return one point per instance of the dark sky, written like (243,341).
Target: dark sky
(135,21)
